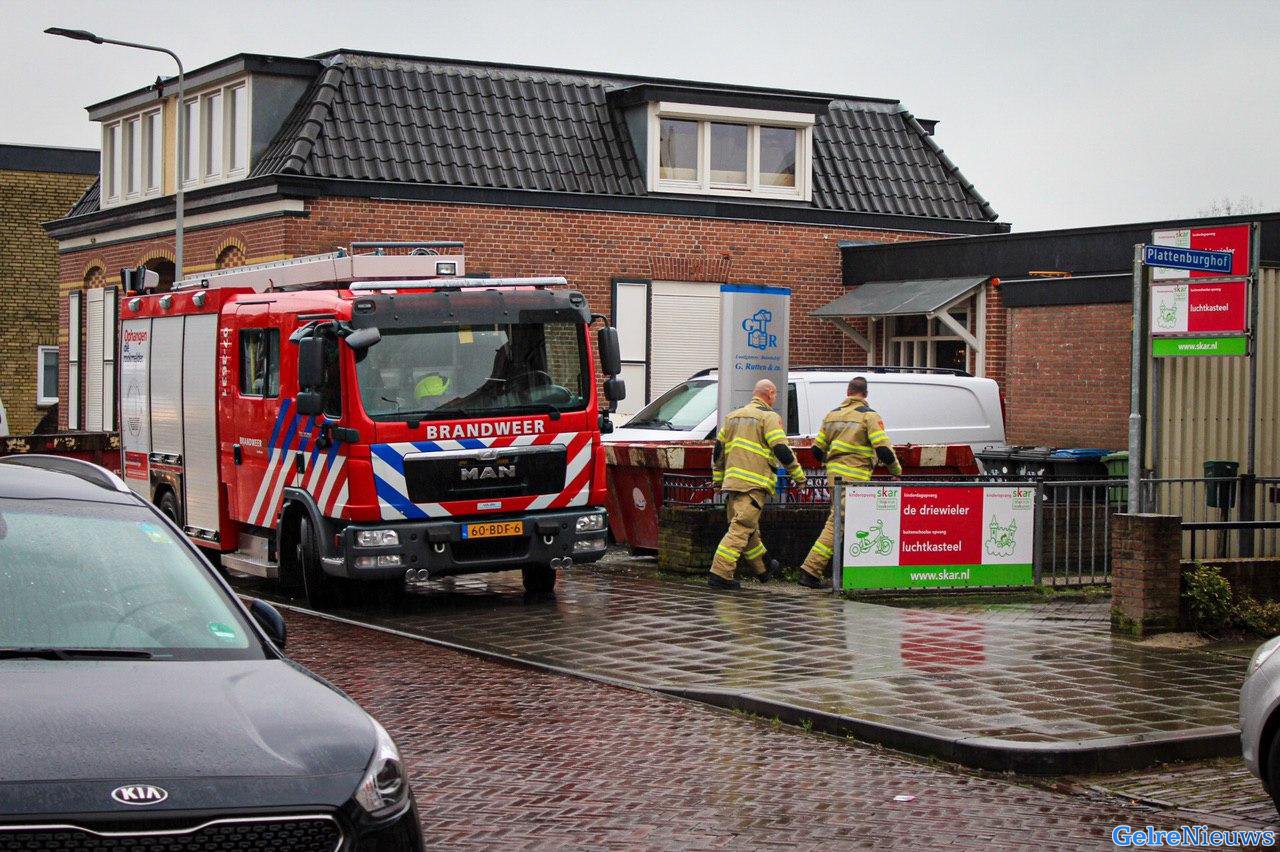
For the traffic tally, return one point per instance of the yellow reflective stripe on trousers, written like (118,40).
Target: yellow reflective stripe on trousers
(838,469)
(819,547)
(758,550)
(750,476)
(855,449)
(750,446)
(727,553)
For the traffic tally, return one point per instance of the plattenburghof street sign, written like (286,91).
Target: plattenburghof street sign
(1169,347)
(1219,238)
(1218,307)
(1167,257)
(920,536)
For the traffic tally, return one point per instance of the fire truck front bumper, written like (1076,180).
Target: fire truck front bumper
(444,547)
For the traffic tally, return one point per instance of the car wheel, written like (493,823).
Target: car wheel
(539,579)
(1273,769)
(168,507)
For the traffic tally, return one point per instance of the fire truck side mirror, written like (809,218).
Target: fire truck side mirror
(362,339)
(139,279)
(615,389)
(310,403)
(610,352)
(310,364)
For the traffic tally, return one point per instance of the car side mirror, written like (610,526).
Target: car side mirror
(270,620)
(610,352)
(310,362)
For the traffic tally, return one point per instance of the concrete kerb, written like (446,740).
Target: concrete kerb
(1096,755)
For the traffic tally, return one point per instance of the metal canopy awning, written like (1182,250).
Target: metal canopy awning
(896,298)
(932,297)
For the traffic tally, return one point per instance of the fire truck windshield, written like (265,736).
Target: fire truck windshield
(466,371)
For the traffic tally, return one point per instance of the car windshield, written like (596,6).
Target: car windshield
(97,576)
(680,409)
(462,371)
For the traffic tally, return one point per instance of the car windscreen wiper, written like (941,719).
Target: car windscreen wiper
(651,423)
(74,654)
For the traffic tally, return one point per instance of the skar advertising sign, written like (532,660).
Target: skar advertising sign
(753,344)
(1233,239)
(1191,308)
(920,537)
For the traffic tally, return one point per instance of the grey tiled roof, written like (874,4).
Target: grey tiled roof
(371,117)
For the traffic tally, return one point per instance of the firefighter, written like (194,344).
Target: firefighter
(851,441)
(748,448)
(431,386)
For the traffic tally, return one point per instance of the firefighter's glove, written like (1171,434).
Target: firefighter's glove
(798,476)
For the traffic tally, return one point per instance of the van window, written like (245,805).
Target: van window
(793,410)
(260,362)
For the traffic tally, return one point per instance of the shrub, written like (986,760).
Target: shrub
(1208,599)
(1261,617)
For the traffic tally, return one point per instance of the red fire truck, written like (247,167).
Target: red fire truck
(371,415)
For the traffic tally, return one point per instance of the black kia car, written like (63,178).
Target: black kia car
(144,707)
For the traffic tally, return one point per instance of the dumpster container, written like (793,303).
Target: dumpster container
(996,462)
(1030,462)
(1117,468)
(1221,495)
(1077,463)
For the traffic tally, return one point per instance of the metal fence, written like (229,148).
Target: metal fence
(1227,517)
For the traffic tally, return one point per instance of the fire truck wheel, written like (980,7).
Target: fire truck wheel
(539,579)
(168,506)
(319,588)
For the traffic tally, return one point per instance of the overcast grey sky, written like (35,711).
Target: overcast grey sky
(1061,113)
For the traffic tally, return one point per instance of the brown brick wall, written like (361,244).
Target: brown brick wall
(1146,573)
(1068,375)
(589,248)
(28,282)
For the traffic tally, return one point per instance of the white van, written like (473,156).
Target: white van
(919,406)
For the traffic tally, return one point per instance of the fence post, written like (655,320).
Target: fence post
(1248,510)
(1037,542)
(837,517)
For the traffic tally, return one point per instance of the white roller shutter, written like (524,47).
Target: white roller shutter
(200,422)
(684,332)
(75,313)
(166,385)
(109,359)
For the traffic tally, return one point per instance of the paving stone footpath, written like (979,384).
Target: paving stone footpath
(1045,683)
(502,756)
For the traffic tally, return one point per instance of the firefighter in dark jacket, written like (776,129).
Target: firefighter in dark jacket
(851,441)
(749,446)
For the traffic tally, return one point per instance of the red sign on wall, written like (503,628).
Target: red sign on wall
(1231,238)
(1191,308)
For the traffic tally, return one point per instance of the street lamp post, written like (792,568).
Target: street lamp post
(83,35)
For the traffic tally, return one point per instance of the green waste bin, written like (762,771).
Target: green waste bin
(1221,495)
(1117,468)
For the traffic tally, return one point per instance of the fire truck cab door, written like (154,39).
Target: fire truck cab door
(255,416)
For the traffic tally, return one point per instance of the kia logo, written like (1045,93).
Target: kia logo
(139,794)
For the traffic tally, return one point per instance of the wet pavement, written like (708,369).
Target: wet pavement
(502,756)
(1033,680)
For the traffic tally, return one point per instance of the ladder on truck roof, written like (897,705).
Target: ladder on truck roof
(424,267)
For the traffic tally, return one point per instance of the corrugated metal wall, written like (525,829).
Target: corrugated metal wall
(1204,401)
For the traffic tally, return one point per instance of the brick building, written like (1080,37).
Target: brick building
(36,184)
(645,193)
(1060,339)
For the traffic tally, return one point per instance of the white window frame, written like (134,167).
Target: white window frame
(43,401)
(200,174)
(754,119)
(926,344)
(116,176)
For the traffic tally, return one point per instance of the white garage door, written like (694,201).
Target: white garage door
(684,327)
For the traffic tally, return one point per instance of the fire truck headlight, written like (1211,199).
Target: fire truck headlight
(386,560)
(591,523)
(377,538)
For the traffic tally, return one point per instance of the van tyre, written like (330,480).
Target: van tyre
(539,580)
(1273,769)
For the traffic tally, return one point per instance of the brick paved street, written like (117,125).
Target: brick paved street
(510,757)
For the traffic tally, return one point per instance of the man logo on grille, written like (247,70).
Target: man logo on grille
(139,794)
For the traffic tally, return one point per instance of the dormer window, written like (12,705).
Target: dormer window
(217,148)
(712,150)
(133,156)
